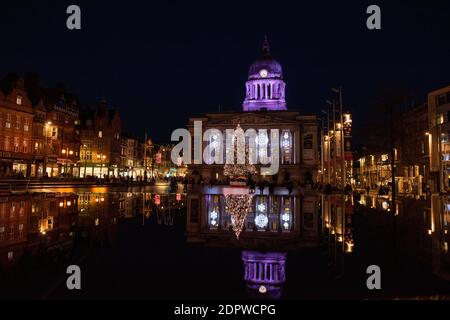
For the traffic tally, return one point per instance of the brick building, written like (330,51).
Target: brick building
(16,118)
(101,145)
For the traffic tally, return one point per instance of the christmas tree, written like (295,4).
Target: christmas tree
(236,171)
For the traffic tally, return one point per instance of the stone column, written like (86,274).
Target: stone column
(296,142)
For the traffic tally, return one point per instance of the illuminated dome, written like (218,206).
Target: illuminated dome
(265,88)
(267,63)
(264,273)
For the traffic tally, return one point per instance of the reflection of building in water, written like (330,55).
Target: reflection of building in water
(280,216)
(439,141)
(98,214)
(98,208)
(440,239)
(168,206)
(33,221)
(337,226)
(128,203)
(264,273)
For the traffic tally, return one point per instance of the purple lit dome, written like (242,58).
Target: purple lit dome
(267,63)
(265,88)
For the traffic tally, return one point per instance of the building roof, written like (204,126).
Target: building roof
(265,62)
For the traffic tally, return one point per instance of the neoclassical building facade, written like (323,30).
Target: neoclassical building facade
(291,214)
(264,108)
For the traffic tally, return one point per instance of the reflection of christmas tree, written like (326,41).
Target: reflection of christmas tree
(238,206)
(236,171)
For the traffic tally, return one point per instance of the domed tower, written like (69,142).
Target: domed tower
(264,273)
(265,88)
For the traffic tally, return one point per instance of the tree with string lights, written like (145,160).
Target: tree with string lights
(239,204)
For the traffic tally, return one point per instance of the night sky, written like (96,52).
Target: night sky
(161,63)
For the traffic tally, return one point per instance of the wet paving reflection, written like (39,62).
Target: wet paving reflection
(158,244)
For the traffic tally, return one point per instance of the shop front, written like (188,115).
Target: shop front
(20,167)
(15,164)
(91,170)
(51,167)
(37,168)
(67,167)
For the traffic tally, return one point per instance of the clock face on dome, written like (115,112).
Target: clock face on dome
(263,73)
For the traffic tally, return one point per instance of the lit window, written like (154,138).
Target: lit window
(262,142)
(16,144)
(19,100)
(286,214)
(54,132)
(100,134)
(214,211)
(261,219)
(440,118)
(10,255)
(286,147)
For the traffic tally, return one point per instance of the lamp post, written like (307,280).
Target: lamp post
(343,171)
(98,159)
(46,126)
(101,157)
(333,105)
(85,160)
(66,152)
(322,148)
(326,146)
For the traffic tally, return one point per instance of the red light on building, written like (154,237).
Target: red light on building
(157,199)
(178,196)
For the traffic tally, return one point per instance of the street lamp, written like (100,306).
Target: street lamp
(85,159)
(333,135)
(103,159)
(341,129)
(99,159)
(46,126)
(66,152)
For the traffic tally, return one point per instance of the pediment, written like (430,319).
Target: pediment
(249,118)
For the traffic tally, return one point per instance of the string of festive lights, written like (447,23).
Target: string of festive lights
(238,206)
(236,171)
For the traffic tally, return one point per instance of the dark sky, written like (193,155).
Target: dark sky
(161,63)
